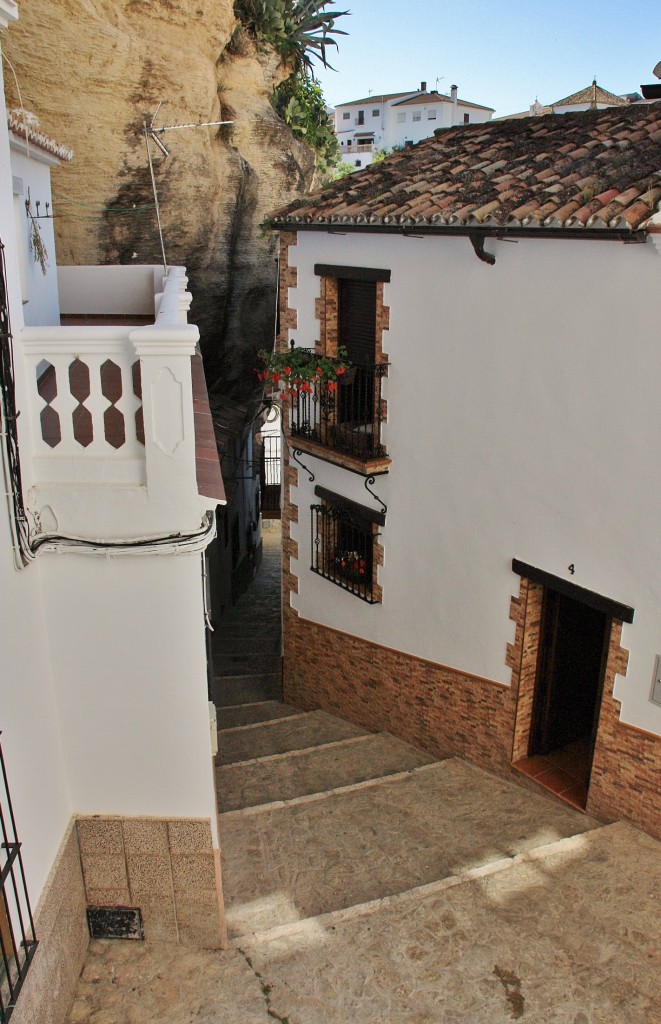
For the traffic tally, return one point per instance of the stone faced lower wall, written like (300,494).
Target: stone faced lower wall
(626,770)
(61,929)
(166,867)
(445,711)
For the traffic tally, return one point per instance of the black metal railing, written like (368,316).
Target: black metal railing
(18,941)
(345,415)
(343,550)
(270,476)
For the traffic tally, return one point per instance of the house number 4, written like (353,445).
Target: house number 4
(572,568)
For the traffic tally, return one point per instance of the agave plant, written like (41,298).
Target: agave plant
(309,30)
(300,30)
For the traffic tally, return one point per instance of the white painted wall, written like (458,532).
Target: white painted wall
(128,651)
(28,715)
(122,290)
(522,422)
(39,290)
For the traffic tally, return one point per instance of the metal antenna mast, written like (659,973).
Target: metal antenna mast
(151,133)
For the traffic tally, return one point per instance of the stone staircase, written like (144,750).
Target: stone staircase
(320,817)
(365,881)
(246,648)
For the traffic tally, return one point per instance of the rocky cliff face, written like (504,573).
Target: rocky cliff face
(94,71)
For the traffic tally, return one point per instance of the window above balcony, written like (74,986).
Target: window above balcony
(342,421)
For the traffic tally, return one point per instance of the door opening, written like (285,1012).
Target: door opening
(565,714)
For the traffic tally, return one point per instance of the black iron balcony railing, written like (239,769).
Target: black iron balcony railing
(18,941)
(345,415)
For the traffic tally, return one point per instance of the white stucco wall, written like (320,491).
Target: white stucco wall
(40,295)
(28,715)
(128,651)
(522,422)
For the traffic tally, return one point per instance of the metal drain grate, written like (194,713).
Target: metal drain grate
(115,923)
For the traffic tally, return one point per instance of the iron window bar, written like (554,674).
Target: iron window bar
(342,546)
(18,940)
(344,415)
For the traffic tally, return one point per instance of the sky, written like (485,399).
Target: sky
(501,54)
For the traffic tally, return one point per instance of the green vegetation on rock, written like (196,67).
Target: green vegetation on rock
(300,30)
(300,103)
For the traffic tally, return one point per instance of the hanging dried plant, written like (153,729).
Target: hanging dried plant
(37,247)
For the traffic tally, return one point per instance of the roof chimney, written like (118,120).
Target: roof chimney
(453,97)
(423,87)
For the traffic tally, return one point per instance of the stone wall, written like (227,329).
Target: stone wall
(61,929)
(166,867)
(625,771)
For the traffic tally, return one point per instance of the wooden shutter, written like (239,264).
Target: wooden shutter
(357,320)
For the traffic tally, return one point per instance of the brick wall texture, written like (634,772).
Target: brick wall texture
(451,713)
(437,708)
(626,771)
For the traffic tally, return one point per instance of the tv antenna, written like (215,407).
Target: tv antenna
(151,134)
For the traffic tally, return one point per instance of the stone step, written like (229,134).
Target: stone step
(240,637)
(256,711)
(230,691)
(255,643)
(304,772)
(545,936)
(306,859)
(246,664)
(306,729)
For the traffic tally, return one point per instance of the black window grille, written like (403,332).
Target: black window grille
(343,547)
(18,941)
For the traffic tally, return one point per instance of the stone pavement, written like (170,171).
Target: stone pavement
(366,883)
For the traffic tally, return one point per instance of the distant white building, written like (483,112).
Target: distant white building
(593,97)
(399,119)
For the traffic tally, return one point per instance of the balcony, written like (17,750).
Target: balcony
(368,147)
(344,420)
(121,438)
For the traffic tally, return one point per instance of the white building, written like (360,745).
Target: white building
(593,97)
(398,119)
(471,535)
(112,480)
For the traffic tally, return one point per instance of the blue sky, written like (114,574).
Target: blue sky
(502,54)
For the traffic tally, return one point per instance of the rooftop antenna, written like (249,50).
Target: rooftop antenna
(151,134)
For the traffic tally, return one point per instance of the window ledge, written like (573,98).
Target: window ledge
(365,467)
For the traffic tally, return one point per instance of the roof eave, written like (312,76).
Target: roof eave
(454,230)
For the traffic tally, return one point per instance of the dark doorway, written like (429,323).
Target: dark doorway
(573,647)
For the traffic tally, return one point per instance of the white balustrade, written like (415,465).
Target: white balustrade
(111,407)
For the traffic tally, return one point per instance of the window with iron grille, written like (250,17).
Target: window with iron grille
(18,941)
(344,539)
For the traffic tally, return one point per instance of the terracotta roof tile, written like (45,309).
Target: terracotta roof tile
(593,168)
